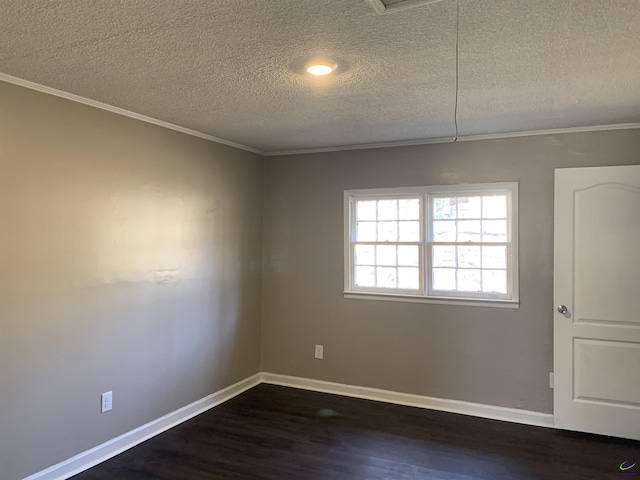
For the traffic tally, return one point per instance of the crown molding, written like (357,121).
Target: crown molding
(462,138)
(363,146)
(380,7)
(427,141)
(120,111)
(551,131)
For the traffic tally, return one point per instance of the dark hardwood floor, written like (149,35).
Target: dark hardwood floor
(272,432)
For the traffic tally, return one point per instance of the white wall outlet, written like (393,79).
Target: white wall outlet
(106,400)
(550,379)
(319,352)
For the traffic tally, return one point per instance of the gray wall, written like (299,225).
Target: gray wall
(130,260)
(486,355)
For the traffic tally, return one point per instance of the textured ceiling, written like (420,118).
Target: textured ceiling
(233,68)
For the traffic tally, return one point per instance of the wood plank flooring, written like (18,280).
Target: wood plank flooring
(272,432)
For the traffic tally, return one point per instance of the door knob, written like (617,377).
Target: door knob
(562,309)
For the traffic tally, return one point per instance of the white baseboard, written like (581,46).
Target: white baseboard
(87,459)
(105,451)
(513,415)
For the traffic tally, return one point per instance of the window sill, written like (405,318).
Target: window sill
(467,302)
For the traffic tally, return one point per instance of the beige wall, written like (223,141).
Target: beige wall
(486,355)
(130,260)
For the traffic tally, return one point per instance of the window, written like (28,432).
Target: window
(445,244)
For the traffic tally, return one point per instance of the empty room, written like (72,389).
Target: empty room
(319,239)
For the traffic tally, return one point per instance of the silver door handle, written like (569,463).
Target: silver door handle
(562,309)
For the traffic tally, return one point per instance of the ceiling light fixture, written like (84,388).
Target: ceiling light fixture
(321,68)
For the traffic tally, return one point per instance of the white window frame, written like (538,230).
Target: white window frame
(426,293)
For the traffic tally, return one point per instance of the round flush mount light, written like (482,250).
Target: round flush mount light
(320,68)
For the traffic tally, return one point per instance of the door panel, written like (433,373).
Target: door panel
(597,277)
(607,228)
(594,362)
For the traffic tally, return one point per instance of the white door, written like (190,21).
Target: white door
(597,279)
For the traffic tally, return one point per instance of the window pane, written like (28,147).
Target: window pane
(444,208)
(387,210)
(408,255)
(469,207)
(386,255)
(444,256)
(469,231)
(365,277)
(469,280)
(494,231)
(494,257)
(444,231)
(468,257)
(409,278)
(409,231)
(409,209)
(365,255)
(466,227)
(366,232)
(444,279)
(494,281)
(494,206)
(366,210)
(386,277)
(387,231)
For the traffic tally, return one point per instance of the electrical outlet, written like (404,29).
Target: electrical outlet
(319,352)
(106,400)
(550,379)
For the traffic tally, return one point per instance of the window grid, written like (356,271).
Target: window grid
(482,214)
(397,264)
(480,267)
(492,273)
(398,272)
